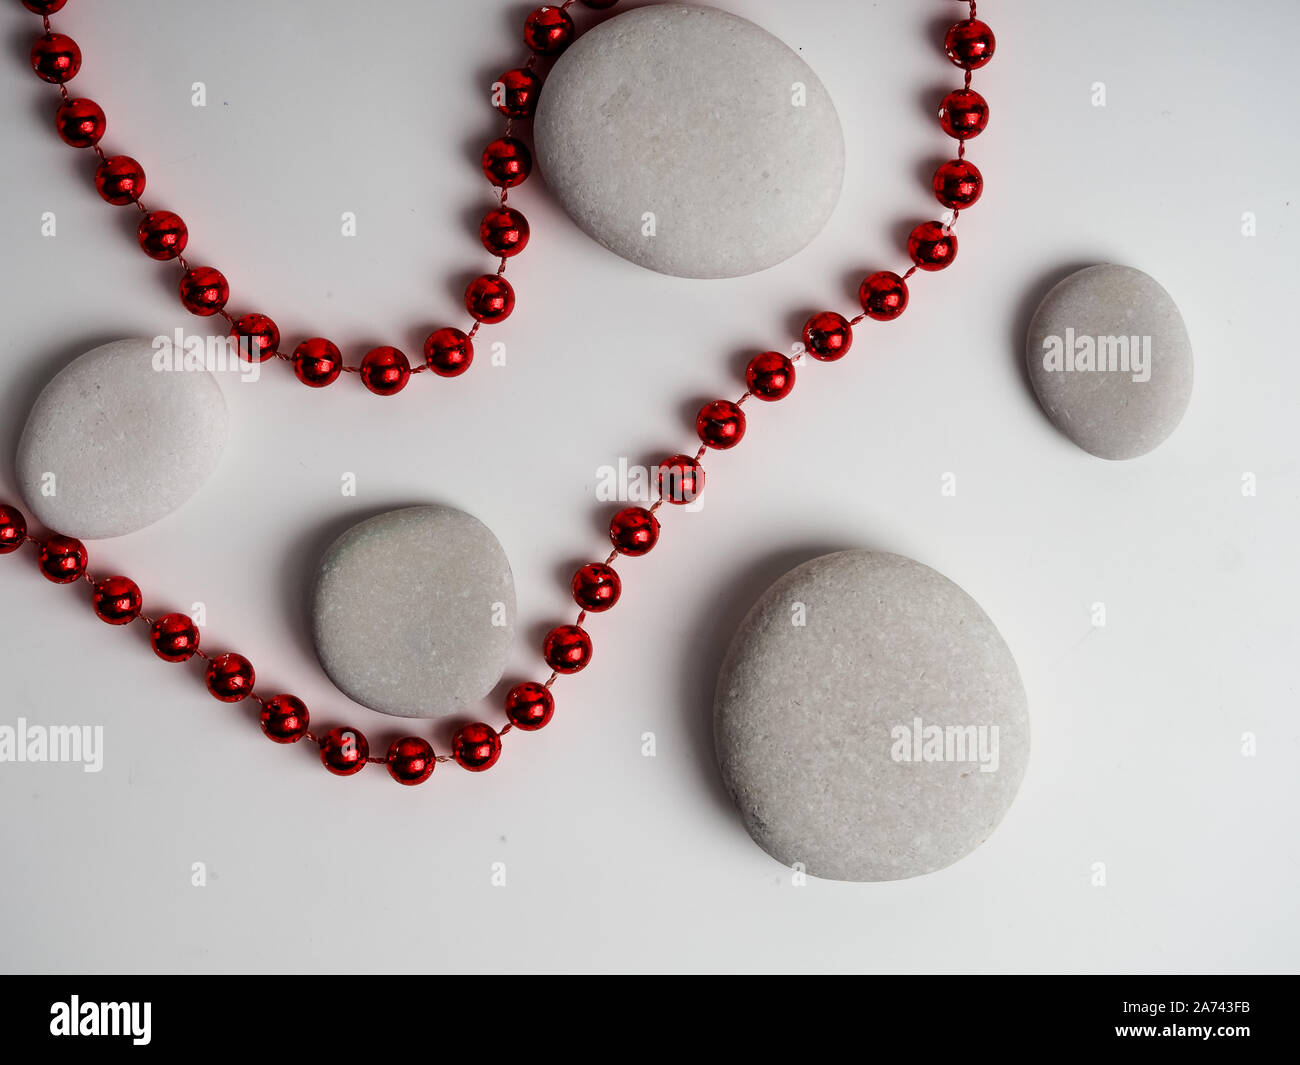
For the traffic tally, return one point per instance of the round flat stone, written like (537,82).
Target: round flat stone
(690,141)
(413,611)
(114,443)
(869,720)
(1110,361)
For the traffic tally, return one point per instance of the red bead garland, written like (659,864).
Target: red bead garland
(258,337)
(548,31)
(56,58)
(63,559)
(119,180)
(204,291)
(827,336)
(567,649)
(680,479)
(721,424)
(964,114)
(162,235)
(230,677)
(411,760)
(530,706)
(490,298)
(970,44)
(13,529)
(175,638)
(385,371)
(448,352)
(476,747)
(343,751)
(317,362)
(504,232)
(81,123)
(117,600)
(958,184)
(883,296)
(770,376)
(596,587)
(284,719)
(932,246)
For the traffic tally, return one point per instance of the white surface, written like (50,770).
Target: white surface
(616,861)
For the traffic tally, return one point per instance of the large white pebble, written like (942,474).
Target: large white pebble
(114,444)
(690,141)
(869,720)
(413,611)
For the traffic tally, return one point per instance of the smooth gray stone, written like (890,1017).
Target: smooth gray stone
(805,719)
(114,444)
(689,114)
(413,611)
(1136,332)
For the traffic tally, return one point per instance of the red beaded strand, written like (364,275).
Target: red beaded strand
(163,235)
(634,531)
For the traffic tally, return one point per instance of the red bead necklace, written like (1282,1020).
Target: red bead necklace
(448,352)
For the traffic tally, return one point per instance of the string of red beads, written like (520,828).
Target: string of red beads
(634,531)
(204,291)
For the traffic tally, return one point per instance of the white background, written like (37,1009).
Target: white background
(616,861)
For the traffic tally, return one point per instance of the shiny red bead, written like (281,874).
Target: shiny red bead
(680,479)
(476,747)
(932,246)
(63,559)
(504,232)
(117,600)
(284,719)
(596,587)
(964,114)
(970,44)
(567,649)
(548,30)
(80,122)
(448,352)
(343,751)
(770,376)
(230,677)
(515,93)
(56,58)
(162,235)
(634,531)
(827,336)
(13,529)
(119,180)
(175,638)
(490,298)
(385,371)
(507,162)
(883,296)
(721,424)
(257,335)
(44,7)
(958,184)
(204,291)
(530,706)
(411,760)
(317,362)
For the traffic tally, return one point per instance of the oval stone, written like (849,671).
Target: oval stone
(413,611)
(1110,361)
(869,720)
(690,141)
(114,442)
